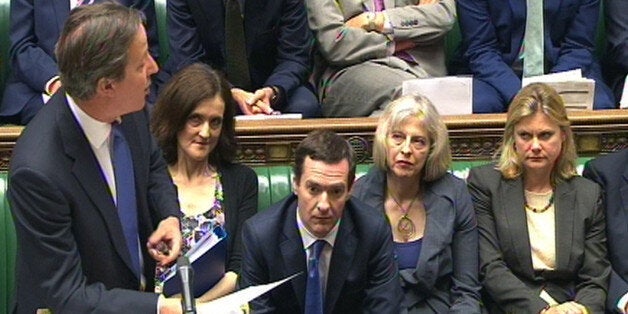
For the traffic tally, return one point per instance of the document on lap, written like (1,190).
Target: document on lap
(234,302)
(577,92)
(207,258)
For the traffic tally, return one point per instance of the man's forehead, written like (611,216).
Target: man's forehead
(317,172)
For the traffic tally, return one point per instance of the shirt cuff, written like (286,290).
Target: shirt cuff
(50,81)
(388,27)
(621,304)
(159,300)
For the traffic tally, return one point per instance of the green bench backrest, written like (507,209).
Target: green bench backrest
(275,182)
(7,248)
(164,43)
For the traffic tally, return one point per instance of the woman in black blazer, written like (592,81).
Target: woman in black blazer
(541,226)
(429,210)
(193,121)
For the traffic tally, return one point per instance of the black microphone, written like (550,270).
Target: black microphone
(186,273)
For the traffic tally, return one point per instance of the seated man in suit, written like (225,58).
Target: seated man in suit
(265,55)
(367,48)
(93,205)
(34,30)
(346,244)
(616,61)
(493,35)
(611,173)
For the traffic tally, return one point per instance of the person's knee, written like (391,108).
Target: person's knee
(486,99)
(303,101)
(31,109)
(603,97)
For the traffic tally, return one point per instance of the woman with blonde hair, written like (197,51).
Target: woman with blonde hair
(541,226)
(429,210)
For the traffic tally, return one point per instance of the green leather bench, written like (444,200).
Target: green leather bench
(275,183)
(7,248)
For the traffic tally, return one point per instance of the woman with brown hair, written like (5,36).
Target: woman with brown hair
(193,122)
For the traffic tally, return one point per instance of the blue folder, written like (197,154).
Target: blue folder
(209,268)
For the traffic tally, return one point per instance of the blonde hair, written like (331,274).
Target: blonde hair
(531,99)
(439,156)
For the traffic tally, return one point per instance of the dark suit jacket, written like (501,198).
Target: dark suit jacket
(492,33)
(616,60)
(239,186)
(510,282)
(278,40)
(445,279)
(35,28)
(611,172)
(72,255)
(362,274)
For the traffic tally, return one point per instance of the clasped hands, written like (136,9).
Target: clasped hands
(566,308)
(258,102)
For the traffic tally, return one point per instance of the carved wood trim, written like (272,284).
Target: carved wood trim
(472,137)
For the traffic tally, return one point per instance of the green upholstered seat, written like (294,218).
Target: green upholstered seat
(164,43)
(7,249)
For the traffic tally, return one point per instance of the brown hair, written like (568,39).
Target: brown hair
(185,91)
(325,146)
(94,44)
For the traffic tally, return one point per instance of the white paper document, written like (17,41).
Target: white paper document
(577,92)
(623,102)
(256,117)
(233,302)
(451,95)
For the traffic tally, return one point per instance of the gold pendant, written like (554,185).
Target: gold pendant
(406,227)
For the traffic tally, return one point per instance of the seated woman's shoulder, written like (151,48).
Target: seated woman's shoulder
(586,186)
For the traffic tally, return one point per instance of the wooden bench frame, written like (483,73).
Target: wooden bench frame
(472,137)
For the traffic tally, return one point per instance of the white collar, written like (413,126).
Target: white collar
(97,132)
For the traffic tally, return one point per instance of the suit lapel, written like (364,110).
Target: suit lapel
(512,201)
(293,254)
(341,259)
(435,212)
(565,206)
(87,172)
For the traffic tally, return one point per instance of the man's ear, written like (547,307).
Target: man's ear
(105,86)
(295,185)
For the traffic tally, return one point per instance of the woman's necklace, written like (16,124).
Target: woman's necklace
(405,225)
(537,210)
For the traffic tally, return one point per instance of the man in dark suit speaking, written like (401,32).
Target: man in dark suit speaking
(342,246)
(93,205)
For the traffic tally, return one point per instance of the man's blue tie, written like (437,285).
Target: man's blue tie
(313,290)
(125,193)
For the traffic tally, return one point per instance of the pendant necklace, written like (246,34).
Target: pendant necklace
(538,210)
(405,225)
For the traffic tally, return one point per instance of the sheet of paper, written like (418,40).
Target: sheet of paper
(572,75)
(269,116)
(456,100)
(578,92)
(232,303)
(623,102)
